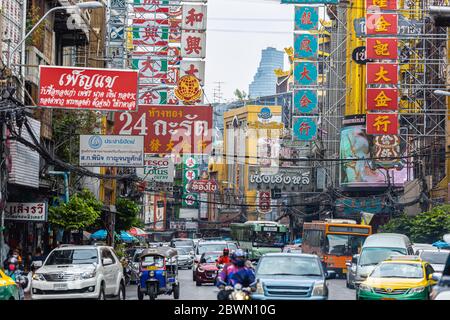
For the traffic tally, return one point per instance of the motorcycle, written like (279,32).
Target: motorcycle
(236,293)
(126,270)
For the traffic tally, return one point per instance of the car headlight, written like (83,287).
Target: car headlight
(38,277)
(199,269)
(319,289)
(152,273)
(259,288)
(88,274)
(365,287)
(416,290)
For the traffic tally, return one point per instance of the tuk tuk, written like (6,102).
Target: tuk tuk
(158,273)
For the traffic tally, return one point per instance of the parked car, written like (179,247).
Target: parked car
(290,276)
(182,243)
(443,280)
(436,258)
(87,272)
(398,278)
(185,258)
(208,246)
(351,271)
(422,246)
(8,288)
(207,270)
(378,247)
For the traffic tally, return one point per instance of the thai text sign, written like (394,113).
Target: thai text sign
(156,169)
(111,151)
(88,88)
(202,186)
(382,99)
(26,211)
(382,123)
(306,18)
(406,28)
(169,129)
(382,73)
(285,177)
(382,48)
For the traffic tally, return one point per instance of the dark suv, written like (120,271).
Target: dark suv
(443,280)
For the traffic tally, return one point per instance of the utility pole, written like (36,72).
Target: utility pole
(3,185)
(217,93)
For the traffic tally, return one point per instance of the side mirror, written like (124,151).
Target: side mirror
(435,276)
(348,263)
(107,261)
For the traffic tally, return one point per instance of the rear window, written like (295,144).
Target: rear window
(211,247)
(183,243)
(72,256)
(437,257)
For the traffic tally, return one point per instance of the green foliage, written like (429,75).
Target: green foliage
(82,211)
(120,250)
(427,227)
(240,95)
(127,215)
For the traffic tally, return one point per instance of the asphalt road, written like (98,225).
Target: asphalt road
(189,291)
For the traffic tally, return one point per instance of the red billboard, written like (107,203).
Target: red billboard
(382,123)
(382,73)
(169,129)
(382,48)
(382,99)
(381,4)
(87,88)
(379,24)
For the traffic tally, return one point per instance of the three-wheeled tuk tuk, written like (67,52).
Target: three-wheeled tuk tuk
(158,269)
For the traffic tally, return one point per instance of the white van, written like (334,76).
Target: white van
(378,247)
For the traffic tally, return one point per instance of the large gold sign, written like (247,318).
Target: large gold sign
(188,90)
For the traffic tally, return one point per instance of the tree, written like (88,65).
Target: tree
(401,224)
(241,95)
(127,215)
(82,211)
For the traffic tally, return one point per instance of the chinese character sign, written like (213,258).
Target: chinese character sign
(305,101)
(305,128)
(382,4)
(306,46)
(382,73)
(193,44)
(305,73)
(194,17)
(382,48)
(150,32)
(382,123)
(379,24)
(306,18)
(382,99)
(193,68)
(386,146)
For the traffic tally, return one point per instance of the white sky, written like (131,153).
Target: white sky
(233,57)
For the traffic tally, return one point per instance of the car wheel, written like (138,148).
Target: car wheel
(140,294)
(122,294)
(101,294)
(198,283)
(176,292)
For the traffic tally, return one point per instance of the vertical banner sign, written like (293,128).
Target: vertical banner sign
(151,70)
(264,202)
(305,101)
(306,18)
(305,74)
(150,32)
(382,123)
(194,68)
(306,46)
(382,99)
(382,73)
(381,24)
(194,17)
(305,128)
(193,44)
(190,172)
(382,48)
(381,4)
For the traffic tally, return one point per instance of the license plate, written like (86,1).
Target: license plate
(60,286)
(344,270)
(171,280)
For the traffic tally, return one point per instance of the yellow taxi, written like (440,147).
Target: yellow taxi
(8,288)
(398,278)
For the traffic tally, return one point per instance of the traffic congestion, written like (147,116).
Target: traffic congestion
(344,261)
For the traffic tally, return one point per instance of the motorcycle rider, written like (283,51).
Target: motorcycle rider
(224,258)
(234,273)
(16,274)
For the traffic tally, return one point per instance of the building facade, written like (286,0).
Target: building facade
(265,81)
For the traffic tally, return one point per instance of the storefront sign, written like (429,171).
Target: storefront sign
(306,18)
(309,1)
(381,24)
(359,55)
(87,88)
(382,99)
(148,32)
(156,169)
(169,129)
(188,89)
(305,74)
(193,44)
(354,206)
(381,4)
(305,128)
(305,101)
(194,17)
(406,28)
(264,201)
(202,186)
(26,211)
(286,177)
(111,151)
(306,46)
(382,48)
(183,225)
(382,73)
(382,123)
(387,146)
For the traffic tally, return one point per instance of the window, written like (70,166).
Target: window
(107,254)
(153,261)
(313,237)
(289,266)
(344,245)
(428,270)
(398,270)
(72,256)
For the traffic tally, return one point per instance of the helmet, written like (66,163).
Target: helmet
(238,258)
(226,251)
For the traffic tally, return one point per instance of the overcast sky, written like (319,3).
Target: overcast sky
(237,32)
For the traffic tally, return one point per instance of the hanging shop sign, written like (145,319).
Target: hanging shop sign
(87,88)
(305,74)
(354,206)
(382,48)
(284,177)
(154,6)
(382,123)
(193,44)
(309,1)
(194,17)
(264,202)
(193,68)
(188,89)
(305,128)
(148,32)
(406,28)
(156,169)
(306,18)
(203,186)
(382,99)
(381,24)
(169,129)
(382,73)
(387,146)
(305,101)
(306,46)
(111,151)
(381,5)
(151,69)
(359,55)
(26,211)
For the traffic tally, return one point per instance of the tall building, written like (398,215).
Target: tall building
(265,81)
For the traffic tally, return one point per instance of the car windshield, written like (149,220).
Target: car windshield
(211,247)
(295,266)
(398,270)
(72,256)
(182,251)
(434,257)
(344,245)
(211,258)
(268,239)
(232,247)
(153,261)
(136,255)
(183,243)
(373,256)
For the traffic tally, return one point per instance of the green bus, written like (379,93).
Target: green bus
(259,237)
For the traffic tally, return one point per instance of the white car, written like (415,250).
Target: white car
(86,272)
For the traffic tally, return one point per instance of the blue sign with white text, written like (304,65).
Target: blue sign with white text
(305,128)
(305,101)
(306,46)
(305,74)
(306,18)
